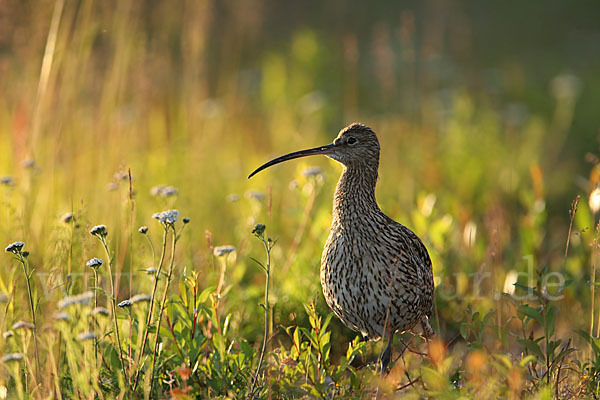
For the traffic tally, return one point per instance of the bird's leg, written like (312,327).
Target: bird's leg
(386,356)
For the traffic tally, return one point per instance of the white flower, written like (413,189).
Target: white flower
(124,303)
(28,163)
(94,263)
(232,198)
(85,336)
(61,316)
(7,334)
(100,310)
(99,230)
(255,194)
(7,180)
(150,271)
(312,171)
(143,230)
(163,191)
(11,357)
(68,217)
(167,217)
(22,324)
(139,298)
(14,247)
(223,250)
(83,298)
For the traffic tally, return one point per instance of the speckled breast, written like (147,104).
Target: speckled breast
(369,282)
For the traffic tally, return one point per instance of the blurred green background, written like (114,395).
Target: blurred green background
(487,113)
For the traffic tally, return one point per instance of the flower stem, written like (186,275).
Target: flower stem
(151,305)
(162,306)
(32,310)
(267,269)
(114,310)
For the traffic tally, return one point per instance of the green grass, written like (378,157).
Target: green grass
(483,164)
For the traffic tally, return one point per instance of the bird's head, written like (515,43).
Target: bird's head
(355,146)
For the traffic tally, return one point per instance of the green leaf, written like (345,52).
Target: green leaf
(525,310)
(532,347)
(464,330)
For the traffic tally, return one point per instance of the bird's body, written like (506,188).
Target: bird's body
(376,274)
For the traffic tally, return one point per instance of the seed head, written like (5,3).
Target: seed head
(15,247)
(94,263)
(220,251)
(99,230)
(143,230)
(167,217)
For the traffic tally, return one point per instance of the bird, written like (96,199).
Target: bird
(376,274)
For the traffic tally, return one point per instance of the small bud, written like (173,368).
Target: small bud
(186,220)
(25,254)
(143,230)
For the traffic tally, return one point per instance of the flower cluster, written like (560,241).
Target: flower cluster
(22,325)
(220,251)
(163,191)
(68,217)
(99,230)
(11,357)
(138,298)
(94,263)
(83,298)
(86,336)
(167,217)
(15,247)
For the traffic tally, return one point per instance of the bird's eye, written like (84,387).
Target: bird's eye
(352,140)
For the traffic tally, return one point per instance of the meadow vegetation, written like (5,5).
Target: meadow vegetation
(141,263)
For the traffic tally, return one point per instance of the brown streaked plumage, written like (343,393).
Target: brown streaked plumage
(376,273)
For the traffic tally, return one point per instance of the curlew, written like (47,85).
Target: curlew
(375,273)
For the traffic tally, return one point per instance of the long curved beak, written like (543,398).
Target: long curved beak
(327,149)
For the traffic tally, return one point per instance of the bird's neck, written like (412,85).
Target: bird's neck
(355,193)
